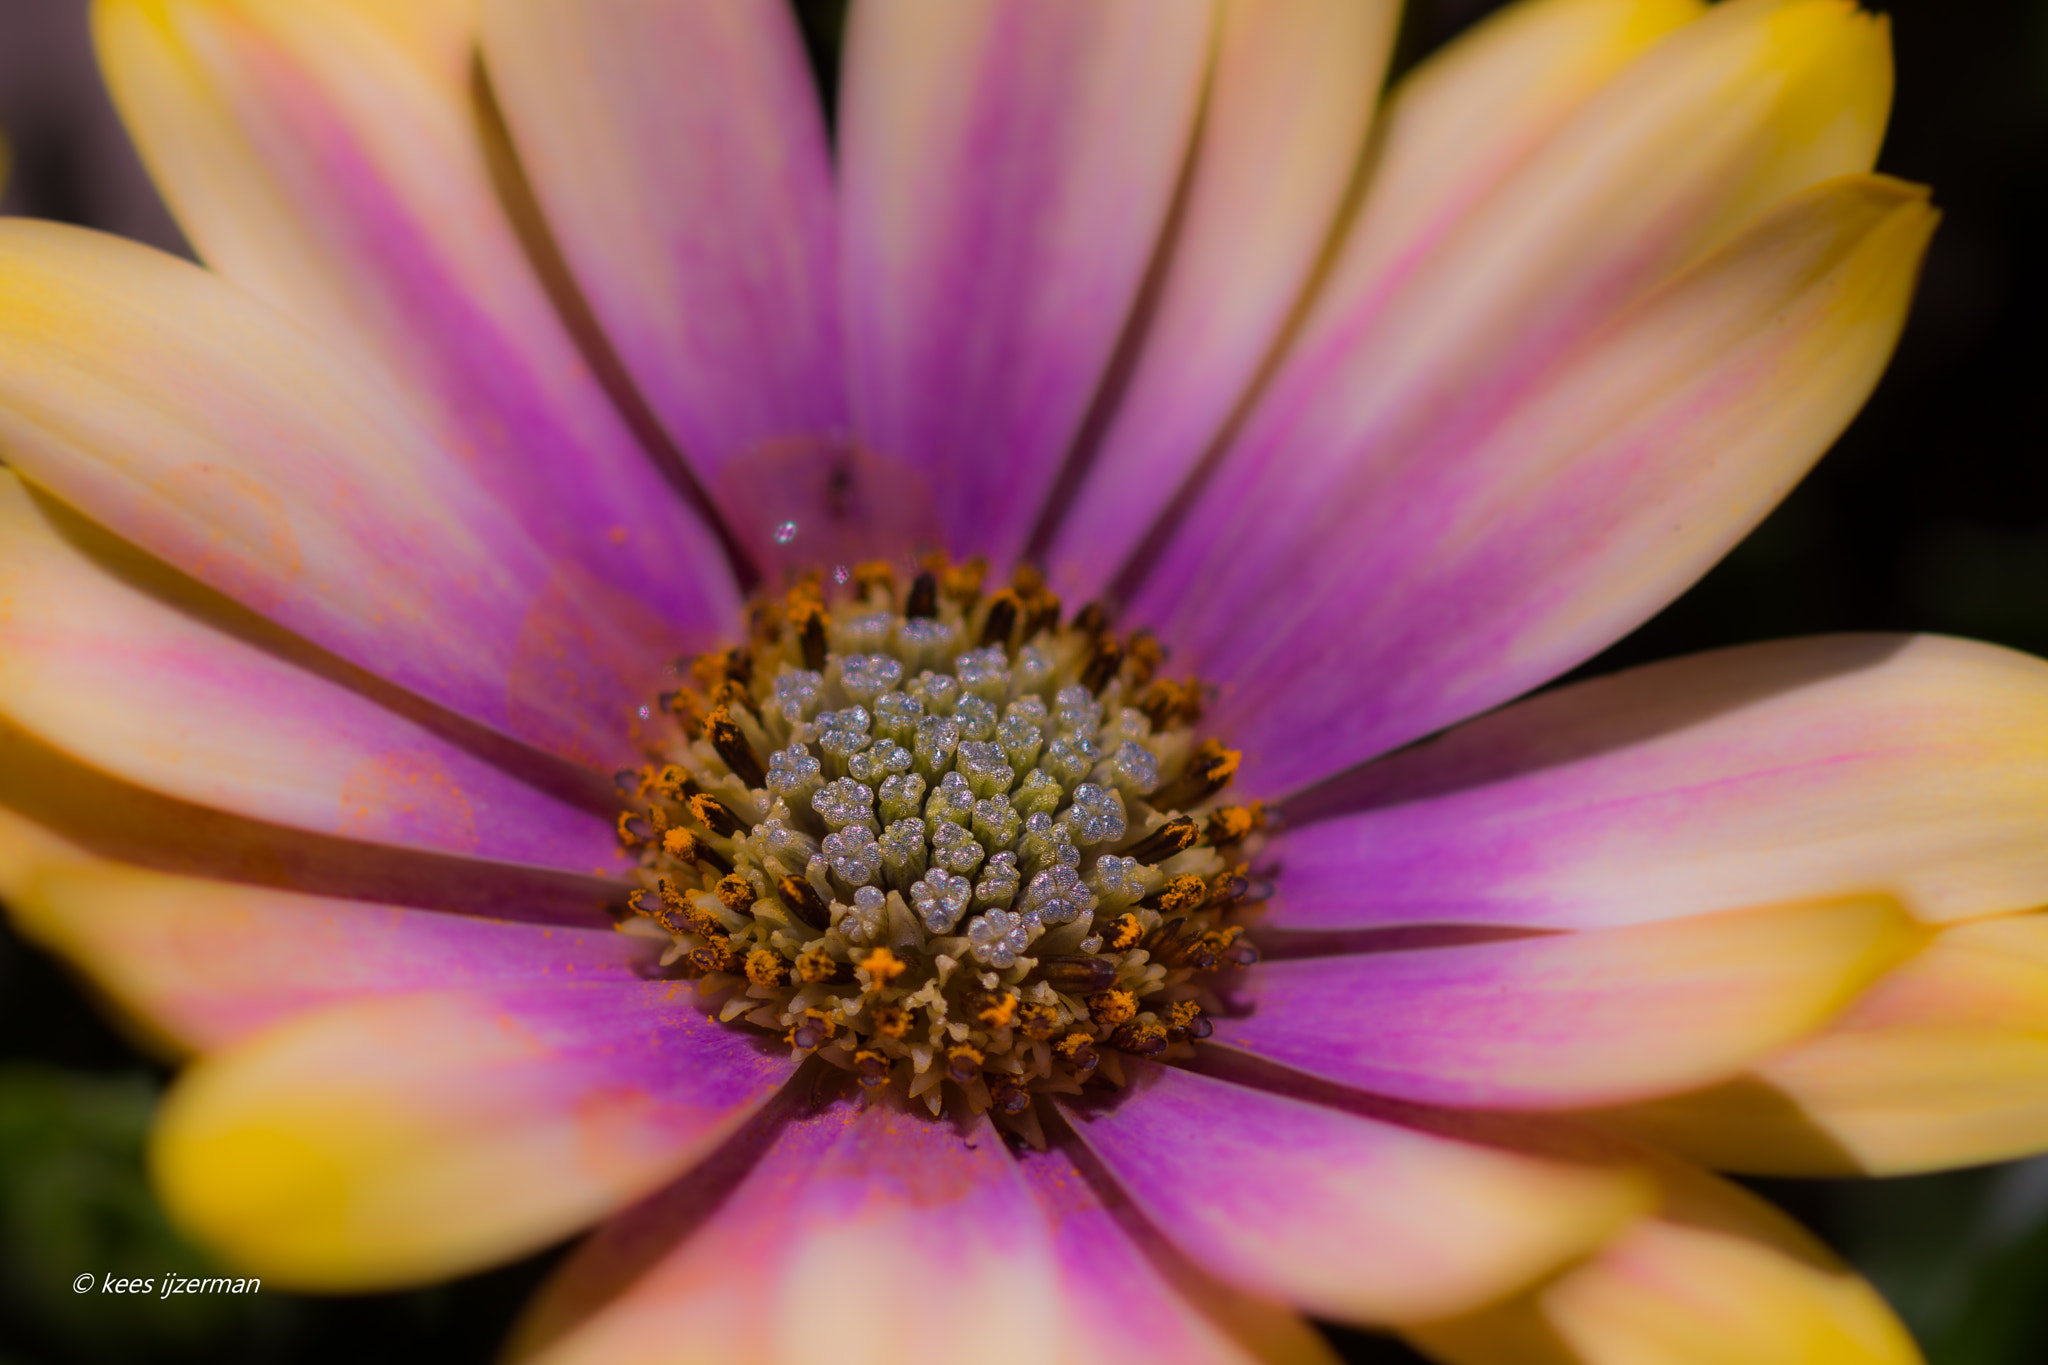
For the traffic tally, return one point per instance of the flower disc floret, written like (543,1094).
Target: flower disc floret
(958,839)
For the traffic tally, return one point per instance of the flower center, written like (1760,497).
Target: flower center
(944,839)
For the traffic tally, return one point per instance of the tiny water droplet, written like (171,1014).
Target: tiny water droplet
(841,574)
(785,533)
(646,713)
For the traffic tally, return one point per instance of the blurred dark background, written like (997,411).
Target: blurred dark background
(1932,514)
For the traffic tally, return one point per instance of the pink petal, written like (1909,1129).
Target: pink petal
(1563,1020)
(400,1139)
(333,159)
(777,1263)
(1008,165)
(1456,490)
(680,153)
(1788,771)
(107,656)
(1342,1215)
(54,809)
(206,963)
(1129,1296)
(194,422)
(1284,121)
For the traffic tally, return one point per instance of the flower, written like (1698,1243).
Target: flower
(333,577)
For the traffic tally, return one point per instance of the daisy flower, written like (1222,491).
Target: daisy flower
(920,720)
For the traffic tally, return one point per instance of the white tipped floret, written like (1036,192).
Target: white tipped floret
(932,747)
(1075,711)
(996,822)
(1069,759)
(902,796)
(977,718)
(924,640)
(1045,844)
(897,715)
(940,899)
(792,847)
(999,937)
(855,857)
(1033,670)
(864,632)
(985,767)
(845,803)
(1038,793)
(939,692)
(797,694)
(955,849)
(1058,896)
(1118,882)
(879,762)
(951,800)
(1020,740)
(1133,769)
(984,672)
(999,882)
(793,774)
(1096,817)
(867,676)
(864,922)
(903,850)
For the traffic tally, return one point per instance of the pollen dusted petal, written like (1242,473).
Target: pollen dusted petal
(1290,99)
(776,1265)
(337,159)
(1007,166)
(107,656)
(680,153)
(1943,1063)
(403,1139)
(1571,337)
(1717,1277)
(175,411)
(1344,1216)
(1130,1297)
(209,963)
(1600,1017)
(1911,765)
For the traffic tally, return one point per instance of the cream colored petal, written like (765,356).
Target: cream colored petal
(1290,100)
(1716,1277)
(1943,1063)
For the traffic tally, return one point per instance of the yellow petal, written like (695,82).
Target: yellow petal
(402,1139)
(1716,1277)
(1943,1063)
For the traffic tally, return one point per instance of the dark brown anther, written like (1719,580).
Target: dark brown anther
(1001,620)
(963,1064)
(734,892)
(801,899)
(872,1068)
(815,966)
(1037,1022)
(923,600)
(1184,1022)
(716,816)
(1078,975)
(1102,665)
(1241,954)
(627,780)
(1180,895)
(1006,1098)
(1078,1051)
(1175,836)
(809,619)
(731,743)
(1230,824)
(1092,619)
(1167,703)
(1123,932)
(1228,889)
(688,849)
(643,902)
(716,956)
(1140,1038)
(1041,612)
(1209,771)
(634,829)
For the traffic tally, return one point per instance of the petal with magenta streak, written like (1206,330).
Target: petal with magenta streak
(1800,769)
(400,1139)
(1342,1215)
(1006,169)
(1596,1017)
(340,161)
(104,654)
